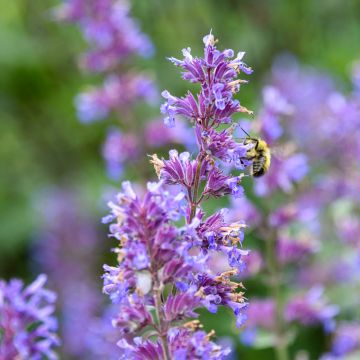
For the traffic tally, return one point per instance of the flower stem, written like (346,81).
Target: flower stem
(194,202)
(160,318)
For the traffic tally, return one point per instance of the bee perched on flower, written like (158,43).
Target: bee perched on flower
(259,154)
(164,271)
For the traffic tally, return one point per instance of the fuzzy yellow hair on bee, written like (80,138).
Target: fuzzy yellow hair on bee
(259,154)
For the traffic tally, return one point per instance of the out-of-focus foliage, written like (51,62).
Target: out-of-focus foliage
(42,143)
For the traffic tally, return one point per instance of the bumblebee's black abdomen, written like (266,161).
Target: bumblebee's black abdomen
(259,173)
(258,166)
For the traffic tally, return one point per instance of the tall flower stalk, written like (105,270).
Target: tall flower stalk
(304,111)
(166,240)
(114,39)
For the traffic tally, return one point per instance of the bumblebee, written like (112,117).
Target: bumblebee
(259,154)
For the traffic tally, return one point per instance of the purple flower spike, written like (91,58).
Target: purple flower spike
(165,270)
(216,74)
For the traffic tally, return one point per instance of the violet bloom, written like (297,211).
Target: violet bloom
(110,30)
(113,38)
(275,106)
(164,271)
(325,123)
(311,309)
(118,92)
(242,208)
(118,149)
(27,324)
(213,106)
(346,340)
(261,314)
(154,254)
(284,172)
(180,135)
(217,73)
(72,270)
(295,249)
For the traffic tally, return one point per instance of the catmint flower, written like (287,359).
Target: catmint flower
(253,264)
(118,148)
(346,340)
(109,29)
(261,314)
(291,249)
(180,135)
(217,75)
(167,242)
(180,169)
(72,273)
(219,184)
(27,324)
(113,37)
(154,253)
(282,174)
(186,344)
(312,308)
(117,92)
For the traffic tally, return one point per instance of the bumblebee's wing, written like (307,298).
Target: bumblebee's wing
(283,151)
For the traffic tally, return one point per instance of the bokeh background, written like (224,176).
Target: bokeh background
(51,170)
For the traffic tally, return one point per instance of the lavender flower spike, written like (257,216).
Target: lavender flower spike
(165,272)
(27,325)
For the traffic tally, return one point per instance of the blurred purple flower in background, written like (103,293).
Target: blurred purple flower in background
(27,323)
(118,149)
(117,93)
(111,32)
(73,270)
(313,130)
(114,38)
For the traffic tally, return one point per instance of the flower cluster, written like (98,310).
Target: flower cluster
(72,272)
(313,131)
(121,148)
(117,92)
(114,38)
(27,325)
(108,28)
(309,309)
(167,243)
(346,341)
(156,257)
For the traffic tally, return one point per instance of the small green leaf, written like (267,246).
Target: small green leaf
(33,326)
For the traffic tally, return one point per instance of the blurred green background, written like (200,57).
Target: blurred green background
(42,144)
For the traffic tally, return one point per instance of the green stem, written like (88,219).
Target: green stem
(160,318)
(194,203)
